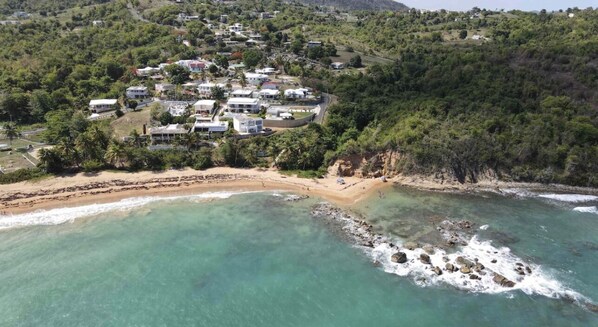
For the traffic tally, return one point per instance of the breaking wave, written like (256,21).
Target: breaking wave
(495,261)
(586,209)
(572,198)
(64,215)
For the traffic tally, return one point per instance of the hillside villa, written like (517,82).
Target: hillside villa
(137,92)
(102,105)
(241,105)
(204,107)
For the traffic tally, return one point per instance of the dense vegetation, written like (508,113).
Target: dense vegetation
(43,7)
(524,105)
(520,100)
(359,4)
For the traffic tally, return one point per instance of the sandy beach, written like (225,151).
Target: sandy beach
(111,186)
(80,189)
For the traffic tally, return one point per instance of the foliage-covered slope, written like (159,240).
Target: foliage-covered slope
(7,7)
(524,104)
(359,4)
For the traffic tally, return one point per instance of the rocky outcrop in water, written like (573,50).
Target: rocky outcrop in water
(399,257)
(360,233)
(502,281)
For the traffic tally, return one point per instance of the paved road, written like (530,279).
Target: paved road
(327,100)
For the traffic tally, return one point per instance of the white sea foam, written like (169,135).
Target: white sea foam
(517,192)
(484,227)
(586,209)
(573,198)
(64,215)
(538,282)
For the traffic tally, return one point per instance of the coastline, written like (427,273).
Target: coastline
(109,186)
(105,187)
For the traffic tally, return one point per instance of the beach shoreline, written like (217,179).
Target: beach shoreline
(106,187)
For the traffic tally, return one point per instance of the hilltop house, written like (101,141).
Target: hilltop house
(205,89)
(295,93)
(337,65)
(248,125)
(236,28)
(164,87)
(147,71)
(256,79)
(240,105)
(266,71)
(194,66)
(102,105)
(313,44)
(137,92)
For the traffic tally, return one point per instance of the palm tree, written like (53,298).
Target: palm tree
(243,80)
(11,132)
(116,154)
(188,140)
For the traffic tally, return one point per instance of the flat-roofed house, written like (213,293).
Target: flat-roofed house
(269,94)
(248,125)
(204,107)
(137,92)
(147,71)
(167,134)
(164,87)
(256,79)
(240,105)
(241,93)
(205,89)
(102,105)
(313,44)
(210,127)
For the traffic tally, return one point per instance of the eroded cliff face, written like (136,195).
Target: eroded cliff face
(393,163)
(371,165)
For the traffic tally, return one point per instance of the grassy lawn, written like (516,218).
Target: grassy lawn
(15,159)
(301,114)
(124,125)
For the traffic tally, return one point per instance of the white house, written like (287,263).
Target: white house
(168,133)
(204,107)
(177,108)
(248,125)
(194,66)
(21,15)
(236,28)
(240,105)
(137,92)
(101,105)
(97,23)
(210,127)
(313,44)
(256,79)
(147,71)
(205,89)
(295,93)
(266,71)
(268,94)
(337,65)
(242,93)
(164,87)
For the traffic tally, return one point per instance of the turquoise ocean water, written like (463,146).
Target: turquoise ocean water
(255,260)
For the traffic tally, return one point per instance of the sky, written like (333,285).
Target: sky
(529,5)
